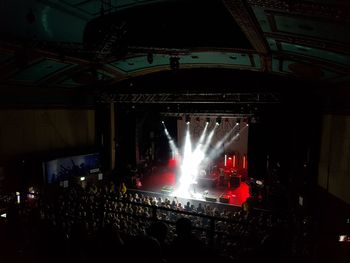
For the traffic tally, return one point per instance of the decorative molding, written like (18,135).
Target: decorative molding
(308,41)
(301,38)
(313,61)
(332,64)
(333,12)
(246,21)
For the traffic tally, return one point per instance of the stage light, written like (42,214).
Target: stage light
(3,215)
(18,197)
(163,122)
(246,121)
(31,192)
(238,121)
(82,178)
(207,120)
(218,120)
(259,182)
(344,238)
(187,119)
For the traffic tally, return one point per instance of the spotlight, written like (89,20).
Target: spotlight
(250,119)
(207,120)
(238,121)
(218,120)
(82,178)
(187,119)
(18,197)
(163,122)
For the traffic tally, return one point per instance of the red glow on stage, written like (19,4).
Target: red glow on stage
(172,163)
(157,180)
(239,194)
(229,162)
(166,177)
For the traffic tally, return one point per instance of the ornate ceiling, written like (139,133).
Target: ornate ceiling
(73,45)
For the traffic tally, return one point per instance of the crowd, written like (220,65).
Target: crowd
(100,223)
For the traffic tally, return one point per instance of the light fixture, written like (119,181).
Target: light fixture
(218,120)
(187,119)
(207,120)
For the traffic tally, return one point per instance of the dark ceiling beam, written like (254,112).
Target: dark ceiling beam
(21,60)
(35,96)
(246,21)
(55,79)
(43,49)
(118,76)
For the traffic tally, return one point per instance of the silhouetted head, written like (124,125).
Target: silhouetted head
(183,227)
(158,230)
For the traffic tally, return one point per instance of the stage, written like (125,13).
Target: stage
(163,182)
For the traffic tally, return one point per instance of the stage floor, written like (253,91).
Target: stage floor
(164,179)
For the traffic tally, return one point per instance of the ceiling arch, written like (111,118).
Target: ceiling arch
(73,44)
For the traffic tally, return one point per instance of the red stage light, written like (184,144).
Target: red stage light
(172,163)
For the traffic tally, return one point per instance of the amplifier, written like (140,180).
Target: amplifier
(224,199)
(167,189)
(210,198)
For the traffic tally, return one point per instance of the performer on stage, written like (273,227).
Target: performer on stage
(193,184)
(202,173)
(221,177)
